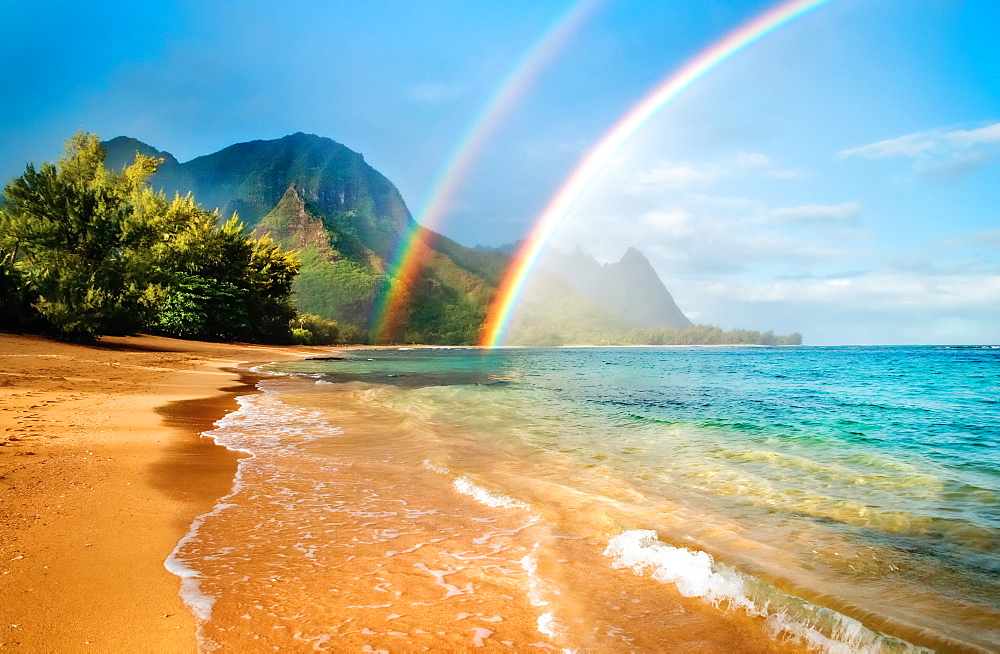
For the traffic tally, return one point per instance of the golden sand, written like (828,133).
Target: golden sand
(102,469)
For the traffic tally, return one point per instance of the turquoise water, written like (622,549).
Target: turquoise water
(848,496)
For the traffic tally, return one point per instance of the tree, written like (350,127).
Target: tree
(223,284)
(16,313)
(309,329)
(72,230)
(97,252)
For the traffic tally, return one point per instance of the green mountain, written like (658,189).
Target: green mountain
(315,195)
(347,221)
(250,178)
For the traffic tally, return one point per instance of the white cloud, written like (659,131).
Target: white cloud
(940,152)
(882,306)
(690,238)
(985,239)
(675,176)
(987,134)
(678,177)
(847,212)
(670,224)
(911,145)
(785,173)
(871,291)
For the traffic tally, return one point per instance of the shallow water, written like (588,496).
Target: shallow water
(670,499)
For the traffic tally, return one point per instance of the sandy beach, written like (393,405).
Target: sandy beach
(102,469)
(418,513)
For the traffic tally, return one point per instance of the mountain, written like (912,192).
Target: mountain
(121,150)
(573,299)
(630,289)
(347,221)
(341,278)
(250,178)
(317,196)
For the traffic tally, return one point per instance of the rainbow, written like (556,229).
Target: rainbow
(597,159)
(415,246)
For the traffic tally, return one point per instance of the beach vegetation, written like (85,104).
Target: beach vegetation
(707,335)
(348,223)
(310,329)
(90,251)
(16,313)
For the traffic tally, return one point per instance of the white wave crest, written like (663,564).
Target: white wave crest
(547,625)
(691,571)
(695,574)
(487,497)
(529,564)
(433,467)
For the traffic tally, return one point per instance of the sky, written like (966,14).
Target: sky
(838,177)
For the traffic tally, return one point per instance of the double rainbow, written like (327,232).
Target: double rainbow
(509,293)
(414,249)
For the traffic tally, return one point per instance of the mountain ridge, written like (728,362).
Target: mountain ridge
(630,288)
(347,221)
(315,195)
(250,179)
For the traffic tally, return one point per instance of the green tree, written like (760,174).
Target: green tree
(73,229)
(220,283)
(97,251)
(16,313)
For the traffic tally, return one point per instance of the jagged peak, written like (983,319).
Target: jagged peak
(630,288)
(292,201)
(633,256)
(291,194)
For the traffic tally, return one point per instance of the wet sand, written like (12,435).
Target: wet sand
(340,537)
(102,470)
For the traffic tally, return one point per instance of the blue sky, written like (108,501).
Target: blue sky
(838,178)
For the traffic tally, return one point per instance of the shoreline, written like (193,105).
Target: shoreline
(452,570)
(102,470)
(105,468)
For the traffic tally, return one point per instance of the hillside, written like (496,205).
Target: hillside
(250,179)
(315,195)
(347,221)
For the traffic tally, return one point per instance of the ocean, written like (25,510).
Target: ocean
(709,499)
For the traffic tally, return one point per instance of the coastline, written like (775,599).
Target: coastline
(102,469)
(420,556)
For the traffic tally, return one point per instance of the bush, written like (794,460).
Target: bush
(323,332)
(205,309)
(302,337)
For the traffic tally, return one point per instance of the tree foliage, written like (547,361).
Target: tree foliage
(309,329)
(91,251)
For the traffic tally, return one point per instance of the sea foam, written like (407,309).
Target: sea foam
(690,570)
(696,574)
(261,423)
(482,495)
(487,497)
